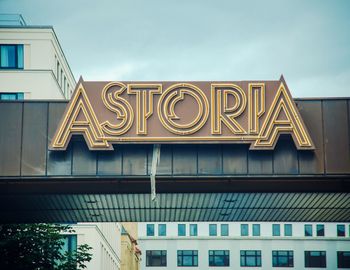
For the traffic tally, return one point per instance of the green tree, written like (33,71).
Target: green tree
(39,246)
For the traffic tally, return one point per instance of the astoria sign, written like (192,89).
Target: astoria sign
(255,112)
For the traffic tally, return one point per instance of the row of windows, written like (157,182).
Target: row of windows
(11,96)
(61,79)
(248,258)
(193,230)
(11,56)
(224,230)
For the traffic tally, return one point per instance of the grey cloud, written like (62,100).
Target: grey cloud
(307,41)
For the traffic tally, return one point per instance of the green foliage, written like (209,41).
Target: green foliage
(39,246)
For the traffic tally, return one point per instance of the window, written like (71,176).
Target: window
(288,230)
(343,259)
(340,230)
(282,258)
(150,229)
(11,96)
(308,230)
(213,231)
(193,230)
(57,70)
(11,56)
(155,257)
(187,258)
(315,259)
(64,85)
(320,230)
(219,258)
(250,258)
(161,229)
(181,229)
(224,229)
(69,243)
(276,230)
(244,230)
(256,229)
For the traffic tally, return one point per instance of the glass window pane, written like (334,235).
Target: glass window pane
(195,261)
(315,259)
(181,229)
(187,261)
(212,229)
(20,56)
(258,261)
(340,230)
(162,229)
(224,229)
(244,229)
(193,230)
(288,230)
(8,56)
(8,96)
(219,258)
(320,229)
(343,259)
(156,258)
(256,229)
(276,229)
(150,229)
(308,230)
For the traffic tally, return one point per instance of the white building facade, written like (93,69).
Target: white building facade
(32,63)
(105,240)
(244,245)
(33,66)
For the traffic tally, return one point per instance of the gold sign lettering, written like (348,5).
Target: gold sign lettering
(144,100)
(81,119)
(171,97)
(165,112)
(222,112)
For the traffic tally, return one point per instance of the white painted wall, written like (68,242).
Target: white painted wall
(105,239)
(234,242)
(39,79)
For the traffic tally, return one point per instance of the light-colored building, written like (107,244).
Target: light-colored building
(32,62)
(131,254)
(244,245)
(105,240)
(33,66)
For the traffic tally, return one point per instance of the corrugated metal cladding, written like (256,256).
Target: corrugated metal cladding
(322,207)
(27,128)
(37,185)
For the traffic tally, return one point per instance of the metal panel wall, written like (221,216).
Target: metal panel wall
(84,160)
(210,159)
(110,162)
(336,136)
(34,138)
(285,157)
(235,157)
(185,159)
(58,162)
(312,162)
(23,151)
(260,162)
(135,158)
(10,138)
(166,160)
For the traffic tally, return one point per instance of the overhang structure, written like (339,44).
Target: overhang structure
(195,182)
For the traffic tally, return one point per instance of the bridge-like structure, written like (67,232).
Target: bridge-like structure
(198,182)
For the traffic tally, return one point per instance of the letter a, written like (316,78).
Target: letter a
(283,117)
(80,118)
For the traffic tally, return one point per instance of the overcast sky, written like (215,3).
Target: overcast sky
(306,41)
